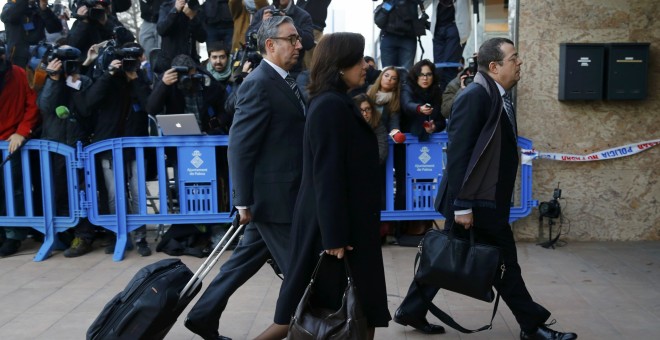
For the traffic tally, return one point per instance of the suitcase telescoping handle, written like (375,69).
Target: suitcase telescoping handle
(212,259)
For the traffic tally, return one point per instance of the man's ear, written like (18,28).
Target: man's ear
(492,67)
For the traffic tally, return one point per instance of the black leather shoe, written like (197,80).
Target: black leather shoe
(545,333)
(419,324)
(203,332)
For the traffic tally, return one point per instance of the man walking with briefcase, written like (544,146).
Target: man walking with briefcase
(477,186)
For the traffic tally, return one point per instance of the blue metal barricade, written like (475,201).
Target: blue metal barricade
(194,160)
(197,183)
(39,207)
(425,162)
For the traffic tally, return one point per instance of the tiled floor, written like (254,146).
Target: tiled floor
(599,290)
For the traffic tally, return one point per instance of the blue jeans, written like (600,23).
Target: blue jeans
(446,48)
(397,50)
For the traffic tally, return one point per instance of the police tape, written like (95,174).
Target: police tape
(621,151)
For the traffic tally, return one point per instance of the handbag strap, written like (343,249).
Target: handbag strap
(347,268)
(448,320)
(437,312)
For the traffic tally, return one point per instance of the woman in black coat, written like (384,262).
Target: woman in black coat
(338,206)
(420,102)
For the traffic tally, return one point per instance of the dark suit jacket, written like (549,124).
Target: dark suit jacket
(265,146)
(480,137)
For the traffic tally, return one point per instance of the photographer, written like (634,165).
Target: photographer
(187,87)
(457,85)
(26,22)
(63,112)
(116,101)
(241,12)
(19,116)
(301,20)
(180,28)
(95,23)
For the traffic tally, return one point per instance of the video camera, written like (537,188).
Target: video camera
(552,208)
(108,53)
(248,52)
(70,58)
(96,14)
(472,69)
(130,58)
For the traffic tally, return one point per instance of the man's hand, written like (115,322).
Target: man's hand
(170,77)
(179,5)
(92,54)
(189,12)
(55,66)
(15,141)
(114,66)
(339,252)
(245,215)
(82,12)
(247,66)
(463,80)
(466,220)
(268,13)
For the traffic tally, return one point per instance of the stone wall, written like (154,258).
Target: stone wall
(604,200)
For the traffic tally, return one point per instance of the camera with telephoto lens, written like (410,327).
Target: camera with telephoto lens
(277,11)
(472,69)
(96,14)
(249,52)
(70,58)
(552,208)
(130,58)
(188,81)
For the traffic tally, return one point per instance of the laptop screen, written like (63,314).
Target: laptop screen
(184,124)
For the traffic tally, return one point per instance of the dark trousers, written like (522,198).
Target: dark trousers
(259,241)
(446,48)
(528,313)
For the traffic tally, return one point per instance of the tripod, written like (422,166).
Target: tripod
(550,243)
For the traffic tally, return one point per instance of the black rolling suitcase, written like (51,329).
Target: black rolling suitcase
(151,303)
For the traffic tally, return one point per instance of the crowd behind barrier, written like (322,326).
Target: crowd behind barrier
(201,198)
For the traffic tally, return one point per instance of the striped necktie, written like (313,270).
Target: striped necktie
(510,112)
(292,84)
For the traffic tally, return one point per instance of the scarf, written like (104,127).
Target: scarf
(220,76)
(383,98)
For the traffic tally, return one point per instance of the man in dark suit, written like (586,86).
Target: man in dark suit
(265,162)
(477,186)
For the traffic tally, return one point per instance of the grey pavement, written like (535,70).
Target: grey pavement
(601,290)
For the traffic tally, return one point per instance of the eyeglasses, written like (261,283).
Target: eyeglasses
(292,39)
(426,75)
(366,110)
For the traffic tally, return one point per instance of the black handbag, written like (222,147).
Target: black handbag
(461,266)
(310,322)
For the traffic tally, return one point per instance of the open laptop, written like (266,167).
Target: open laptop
(184,124)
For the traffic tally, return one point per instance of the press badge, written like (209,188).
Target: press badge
(28,26)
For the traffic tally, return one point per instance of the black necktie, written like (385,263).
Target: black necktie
(292,84)
(510,112)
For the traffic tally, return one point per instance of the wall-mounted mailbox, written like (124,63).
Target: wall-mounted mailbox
(627,71)
(581,70)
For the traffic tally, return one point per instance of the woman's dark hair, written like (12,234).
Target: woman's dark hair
(375,114)
(335,52)
(416,72)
